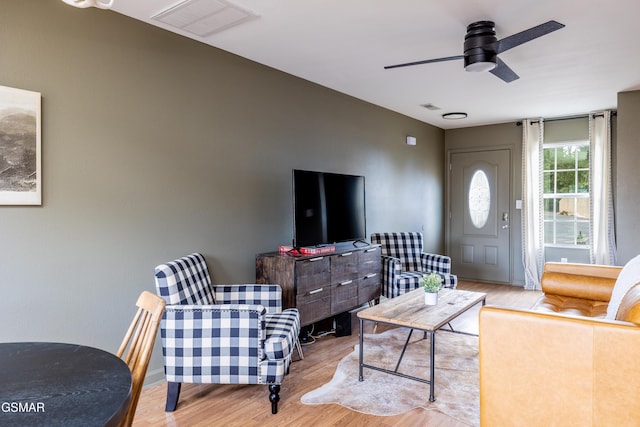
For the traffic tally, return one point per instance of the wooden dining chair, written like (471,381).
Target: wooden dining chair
(137,346)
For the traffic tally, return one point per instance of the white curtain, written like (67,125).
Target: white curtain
(603,246)
(532,213)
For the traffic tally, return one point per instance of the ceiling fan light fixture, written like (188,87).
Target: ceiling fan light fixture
(480,67)
(454,116)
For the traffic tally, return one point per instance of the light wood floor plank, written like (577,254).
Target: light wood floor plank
(248,405)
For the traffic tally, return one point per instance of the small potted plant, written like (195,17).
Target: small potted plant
(431,283)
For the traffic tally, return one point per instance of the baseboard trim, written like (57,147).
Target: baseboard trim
(154,377)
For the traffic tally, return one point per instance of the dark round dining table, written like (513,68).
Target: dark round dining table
(56,384)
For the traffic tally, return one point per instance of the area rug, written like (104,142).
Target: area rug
(456,383)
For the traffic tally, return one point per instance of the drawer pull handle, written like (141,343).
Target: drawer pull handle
(369,276)
(316,259)
(371,250)
(346,282)
(346,254)
(316,291)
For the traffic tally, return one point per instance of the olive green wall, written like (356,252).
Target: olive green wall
(156,146)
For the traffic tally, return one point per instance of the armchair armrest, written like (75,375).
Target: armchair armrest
(268,295)
(577,369)
(212,343)
(593,282)
(434,262)
(391,266)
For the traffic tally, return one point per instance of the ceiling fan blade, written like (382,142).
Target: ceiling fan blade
(503,71)
(426,61)
(528,35)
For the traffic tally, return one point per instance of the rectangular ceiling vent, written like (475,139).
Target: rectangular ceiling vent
(431,107)
(204,17)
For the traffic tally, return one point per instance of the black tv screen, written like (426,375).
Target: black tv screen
(327,208)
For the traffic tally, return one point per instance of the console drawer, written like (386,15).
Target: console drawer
(369,287)
(344,266)
(312,273)
(370,261)
(344,295)
(314,305)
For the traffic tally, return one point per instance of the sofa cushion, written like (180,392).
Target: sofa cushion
(629,276)
(551,303)
(282,330)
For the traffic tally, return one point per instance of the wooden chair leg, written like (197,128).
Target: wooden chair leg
(173,392)
(274,397)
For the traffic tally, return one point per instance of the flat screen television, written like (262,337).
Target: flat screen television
(327,208)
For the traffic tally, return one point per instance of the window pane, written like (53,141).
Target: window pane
(549,182)
(549,158)
(567,209)
(583,156)
(548,232)
(582,209)
(567,157)
(565,233)
(583,233)
(566,182)
(479,199)
(583,181)
(549,209)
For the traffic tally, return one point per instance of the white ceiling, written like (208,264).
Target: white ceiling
(344,45)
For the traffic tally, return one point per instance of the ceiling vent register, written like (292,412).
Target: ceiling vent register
(204,17)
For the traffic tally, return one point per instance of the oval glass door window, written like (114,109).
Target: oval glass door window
(479,199)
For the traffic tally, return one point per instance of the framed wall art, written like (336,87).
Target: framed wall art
(20,147)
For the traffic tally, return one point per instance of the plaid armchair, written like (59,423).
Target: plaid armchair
(227,334)
(404,263)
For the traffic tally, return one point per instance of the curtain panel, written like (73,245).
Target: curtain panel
(533,212)
(603,246)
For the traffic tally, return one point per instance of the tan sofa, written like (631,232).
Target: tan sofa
(562,363)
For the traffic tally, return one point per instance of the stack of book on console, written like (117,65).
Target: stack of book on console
(300,251)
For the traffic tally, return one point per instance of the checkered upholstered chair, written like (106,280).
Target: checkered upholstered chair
(404,263)
(226,334)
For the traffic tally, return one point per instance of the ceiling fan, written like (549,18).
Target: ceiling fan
(481,48)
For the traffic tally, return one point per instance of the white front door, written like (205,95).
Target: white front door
(479,202)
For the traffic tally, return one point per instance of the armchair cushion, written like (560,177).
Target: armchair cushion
(213,344)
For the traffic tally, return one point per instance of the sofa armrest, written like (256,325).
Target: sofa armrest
(267,295)
(593,282)
(556,370)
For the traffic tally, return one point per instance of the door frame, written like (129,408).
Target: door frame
(447,197)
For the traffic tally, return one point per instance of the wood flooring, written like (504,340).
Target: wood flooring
(248,405)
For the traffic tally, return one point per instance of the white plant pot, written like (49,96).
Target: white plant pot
(431,298)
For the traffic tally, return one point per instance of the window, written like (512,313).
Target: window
(479,199)
(566,194)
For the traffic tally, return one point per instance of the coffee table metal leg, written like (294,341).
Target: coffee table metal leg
(432,368)
(361,354)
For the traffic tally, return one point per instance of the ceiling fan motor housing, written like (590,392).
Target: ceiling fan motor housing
(480,45)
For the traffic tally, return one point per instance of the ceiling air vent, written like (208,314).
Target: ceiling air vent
(430,107)
(204,17)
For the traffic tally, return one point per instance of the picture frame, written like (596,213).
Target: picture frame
(20,147)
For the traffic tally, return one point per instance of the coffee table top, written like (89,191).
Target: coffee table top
(409,310)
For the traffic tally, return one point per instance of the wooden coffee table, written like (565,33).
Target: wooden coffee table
(410,311)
